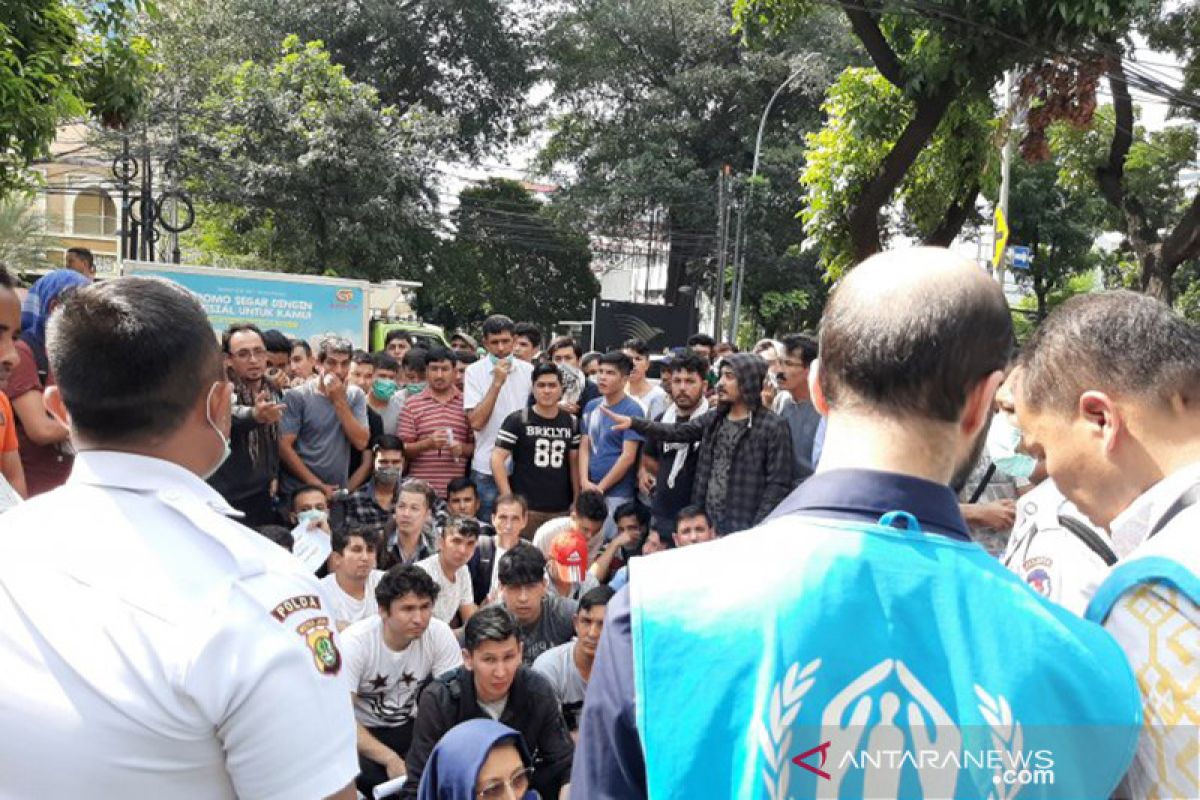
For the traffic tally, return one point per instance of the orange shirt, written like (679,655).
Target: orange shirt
(8,426)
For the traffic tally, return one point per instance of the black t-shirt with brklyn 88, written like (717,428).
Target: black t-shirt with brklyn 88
(541,450)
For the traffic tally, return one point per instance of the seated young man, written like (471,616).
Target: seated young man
(448,568)
(546,619)
(569,666)
(387,657)
(462,500)
(632,521)
(508,520)
(588,514)
(311,531)
(567,566)
(352,579)
(494,683)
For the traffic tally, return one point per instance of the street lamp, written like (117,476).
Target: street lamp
(739,256)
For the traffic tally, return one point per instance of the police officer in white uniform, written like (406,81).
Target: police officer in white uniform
(150,645)
(1056,550)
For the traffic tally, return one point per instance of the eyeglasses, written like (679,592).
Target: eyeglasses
(244,355)
(518,783)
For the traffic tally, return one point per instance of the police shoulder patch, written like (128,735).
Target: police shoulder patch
(301,602)
(318,635)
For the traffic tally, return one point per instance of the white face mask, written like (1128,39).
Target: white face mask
(1002,442)
(313,516)
(227,447)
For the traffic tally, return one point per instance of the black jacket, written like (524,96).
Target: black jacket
(533,709)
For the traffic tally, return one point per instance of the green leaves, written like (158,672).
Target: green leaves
(511,256)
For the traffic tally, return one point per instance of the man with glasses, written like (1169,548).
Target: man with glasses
(247,479)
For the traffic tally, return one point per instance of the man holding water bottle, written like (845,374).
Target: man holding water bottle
(438,440)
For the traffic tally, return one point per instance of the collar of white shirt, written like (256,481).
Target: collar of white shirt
(1131,526)
(116,470)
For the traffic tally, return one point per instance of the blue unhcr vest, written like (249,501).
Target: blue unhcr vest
(835,659)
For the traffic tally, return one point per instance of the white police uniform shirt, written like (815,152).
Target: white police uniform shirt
(153,647)
(385,681)
(1050,558)
(1158,627)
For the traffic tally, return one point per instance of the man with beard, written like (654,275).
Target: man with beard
(871,547)
(669,470)
(246,478)
(744,468)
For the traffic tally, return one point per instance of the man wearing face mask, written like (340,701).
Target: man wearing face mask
(385,399)
(988,496)
(162,627)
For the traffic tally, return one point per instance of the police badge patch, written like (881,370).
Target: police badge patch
(319,638)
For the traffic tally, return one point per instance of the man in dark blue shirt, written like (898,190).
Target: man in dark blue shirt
(906,416)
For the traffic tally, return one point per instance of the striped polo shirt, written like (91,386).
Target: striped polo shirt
(422,416)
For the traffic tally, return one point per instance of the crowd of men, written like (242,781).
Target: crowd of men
(477,525)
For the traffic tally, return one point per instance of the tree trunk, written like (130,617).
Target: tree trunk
(954,219)
(1156,274)
(864,216)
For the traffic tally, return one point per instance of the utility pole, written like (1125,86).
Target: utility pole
(1006,154)
(649,255)
(722,246)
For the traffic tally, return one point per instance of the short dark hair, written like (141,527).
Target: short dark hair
(414,360)
(667,539)
(279,535)
(463,526)
(418,486)
(545,368)
(341,538)
(305,489)
(397,333)
(701,339)
(802,345)
(236,328)
(132,356)
(493,623)
(690,362)
(1119,342)
(301,343)
(362,357)
(512,498)
(921,360)
(387,441)
(632,508)
(616,358)
(84,253)
(638,346)
(438,353)
(385,360)
(565,341)
(693,511)
(6,278)
(597,596)
(466,356)
(459,484)
(404,579)
(588,358)
(590,505)
(276,342)
(529,331)
(521,566)
(497,323)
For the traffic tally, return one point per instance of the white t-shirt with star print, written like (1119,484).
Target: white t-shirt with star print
(385,681)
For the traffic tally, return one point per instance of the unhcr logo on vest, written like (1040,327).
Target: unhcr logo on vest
(886,735)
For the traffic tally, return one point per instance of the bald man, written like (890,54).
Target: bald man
(859,619)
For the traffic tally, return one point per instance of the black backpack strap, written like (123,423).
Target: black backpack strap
(983,484)
(1089,537)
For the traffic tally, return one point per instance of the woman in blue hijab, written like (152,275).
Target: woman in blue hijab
(41,299)
(479,758)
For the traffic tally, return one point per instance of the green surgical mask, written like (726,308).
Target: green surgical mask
(415,388)
(384,388)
